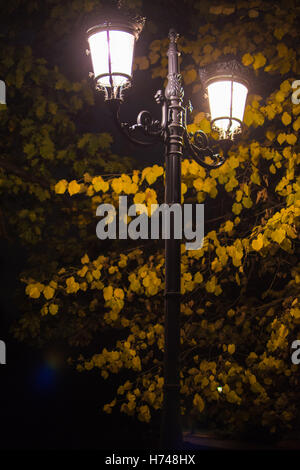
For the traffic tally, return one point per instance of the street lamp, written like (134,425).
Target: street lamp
(227,88)
(111,47)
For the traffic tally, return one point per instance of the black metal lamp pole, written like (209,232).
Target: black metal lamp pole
(170,426)
(172,131)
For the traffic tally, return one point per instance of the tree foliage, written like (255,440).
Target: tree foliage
(240,306)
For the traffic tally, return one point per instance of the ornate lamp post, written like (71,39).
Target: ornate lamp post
(111,47)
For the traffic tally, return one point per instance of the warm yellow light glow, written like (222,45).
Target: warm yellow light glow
(116,45)
(219,94)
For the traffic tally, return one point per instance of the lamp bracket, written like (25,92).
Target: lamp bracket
(172,128)
(145,124)
(197,143)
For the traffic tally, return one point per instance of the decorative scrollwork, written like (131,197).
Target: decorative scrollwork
(151,128)
(146,123)
(144,119)
(200,139)
(200,150)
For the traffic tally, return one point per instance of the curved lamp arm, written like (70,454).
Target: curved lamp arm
(145,122)
(200,149)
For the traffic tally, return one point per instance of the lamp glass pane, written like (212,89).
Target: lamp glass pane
(239,100)
(99,53)
(219,94)
(121,50)
(121,45)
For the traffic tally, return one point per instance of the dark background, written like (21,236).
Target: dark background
(45,404)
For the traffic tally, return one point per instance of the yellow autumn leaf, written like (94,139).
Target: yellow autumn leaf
(278,235)
(198,184)
(295,312)
(136,363)
(258,243)
(53,309)
(210,286)
(205,126)
(247,202)
(85,259)
(296,124)
(255,178)
(280,96)
(208,185)
(117,185)
(44,310)
(96,274)
(48,292)
(291,139)
(236,208)
(286,119)
(228,226)
(73,187)
(99,184)
(259,61)
(285,86)
(72,285)
(119,293)
(231,348)
(151,177)
(158,170)
(247,59)
(108,292)
(238,195)
(198,402)
(281,138)
(254,149)
(198,278)
(270,135)
(82,272)
(139,198)
(34,292)
(248,116)
(61,187)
